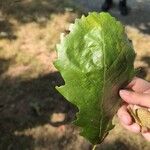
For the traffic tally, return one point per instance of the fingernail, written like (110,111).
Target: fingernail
(124,93)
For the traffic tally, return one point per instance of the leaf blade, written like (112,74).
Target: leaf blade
(95,59)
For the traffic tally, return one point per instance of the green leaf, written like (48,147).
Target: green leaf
(95,60)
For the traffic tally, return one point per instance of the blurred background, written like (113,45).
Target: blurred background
(33,115)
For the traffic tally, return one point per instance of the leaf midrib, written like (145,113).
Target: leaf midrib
(101,101)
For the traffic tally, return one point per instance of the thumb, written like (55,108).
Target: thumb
(141,99)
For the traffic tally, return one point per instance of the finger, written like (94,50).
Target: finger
(147,91)
(124,116)
(139,85)
(142,99)
(146,136)
(133,127)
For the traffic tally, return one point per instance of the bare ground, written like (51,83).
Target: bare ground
(33,115)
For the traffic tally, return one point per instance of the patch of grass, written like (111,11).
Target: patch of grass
(23,58)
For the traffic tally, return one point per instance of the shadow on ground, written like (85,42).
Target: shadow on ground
(146,59)
(27,104)
(26,11)
(6,30)
(138,12)
(143,71)
(40,11)
(138,18)
(32,10)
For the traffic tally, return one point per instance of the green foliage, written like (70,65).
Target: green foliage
(95,60)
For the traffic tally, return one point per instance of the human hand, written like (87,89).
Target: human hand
(139,94)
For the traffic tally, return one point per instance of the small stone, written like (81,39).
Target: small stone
(57,117)
(3,34)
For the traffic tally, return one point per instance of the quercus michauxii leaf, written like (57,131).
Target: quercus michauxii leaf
(95,60)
